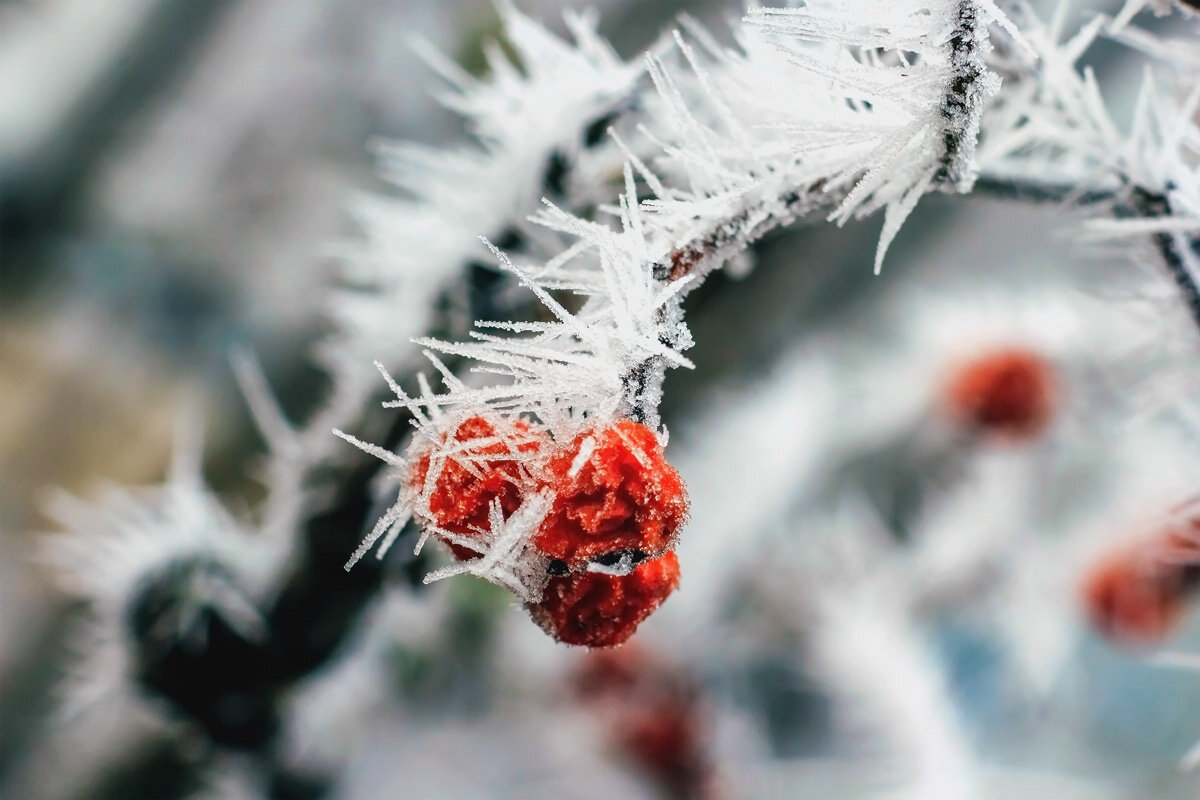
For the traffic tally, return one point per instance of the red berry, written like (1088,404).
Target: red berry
(664,740)
(600,610)
(624,496)
(654,715)
(1138,595)
(1009,393)
(476,474)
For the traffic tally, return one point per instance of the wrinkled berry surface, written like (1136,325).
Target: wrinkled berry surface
(483,470)
(598,610)
(624,496)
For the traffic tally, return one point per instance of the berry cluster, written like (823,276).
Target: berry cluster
(604,544)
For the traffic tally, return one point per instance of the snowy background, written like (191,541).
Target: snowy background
(848,625)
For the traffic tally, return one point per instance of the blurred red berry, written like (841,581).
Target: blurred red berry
(1009,393)
(1138,595)
(483,468)
(619,494)
(653,715)
(599,610)
(663,740)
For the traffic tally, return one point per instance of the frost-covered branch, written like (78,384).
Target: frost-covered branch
(962,107)
(539,462)
(1180,250)
(815,112)
(1052,127)
(535,132)
(927,140)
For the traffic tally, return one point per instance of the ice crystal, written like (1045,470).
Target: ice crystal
(522,117)
(820,112)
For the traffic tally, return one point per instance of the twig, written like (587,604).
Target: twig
(1180,253)
(962,105)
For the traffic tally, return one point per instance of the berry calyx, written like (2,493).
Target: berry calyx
(1009,393)
(601,610)
(614,491)
(481,462)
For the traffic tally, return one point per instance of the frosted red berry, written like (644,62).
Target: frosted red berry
(1139,595)
(483,468)
(600,610)
(1009,393)
(619,493)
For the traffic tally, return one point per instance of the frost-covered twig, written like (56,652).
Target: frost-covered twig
(524,146)
(1051,126)
(1180,250)
(962,107)
(816,112)
(793,177)
(547,474)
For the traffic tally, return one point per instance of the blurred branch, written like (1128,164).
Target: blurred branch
(76,76)
(1180,252)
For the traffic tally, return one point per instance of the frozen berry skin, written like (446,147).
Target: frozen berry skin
(1010,394)
(1139,595)
(594,609)
(624,496)
(477,475)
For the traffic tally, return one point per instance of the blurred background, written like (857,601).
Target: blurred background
(171,174)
